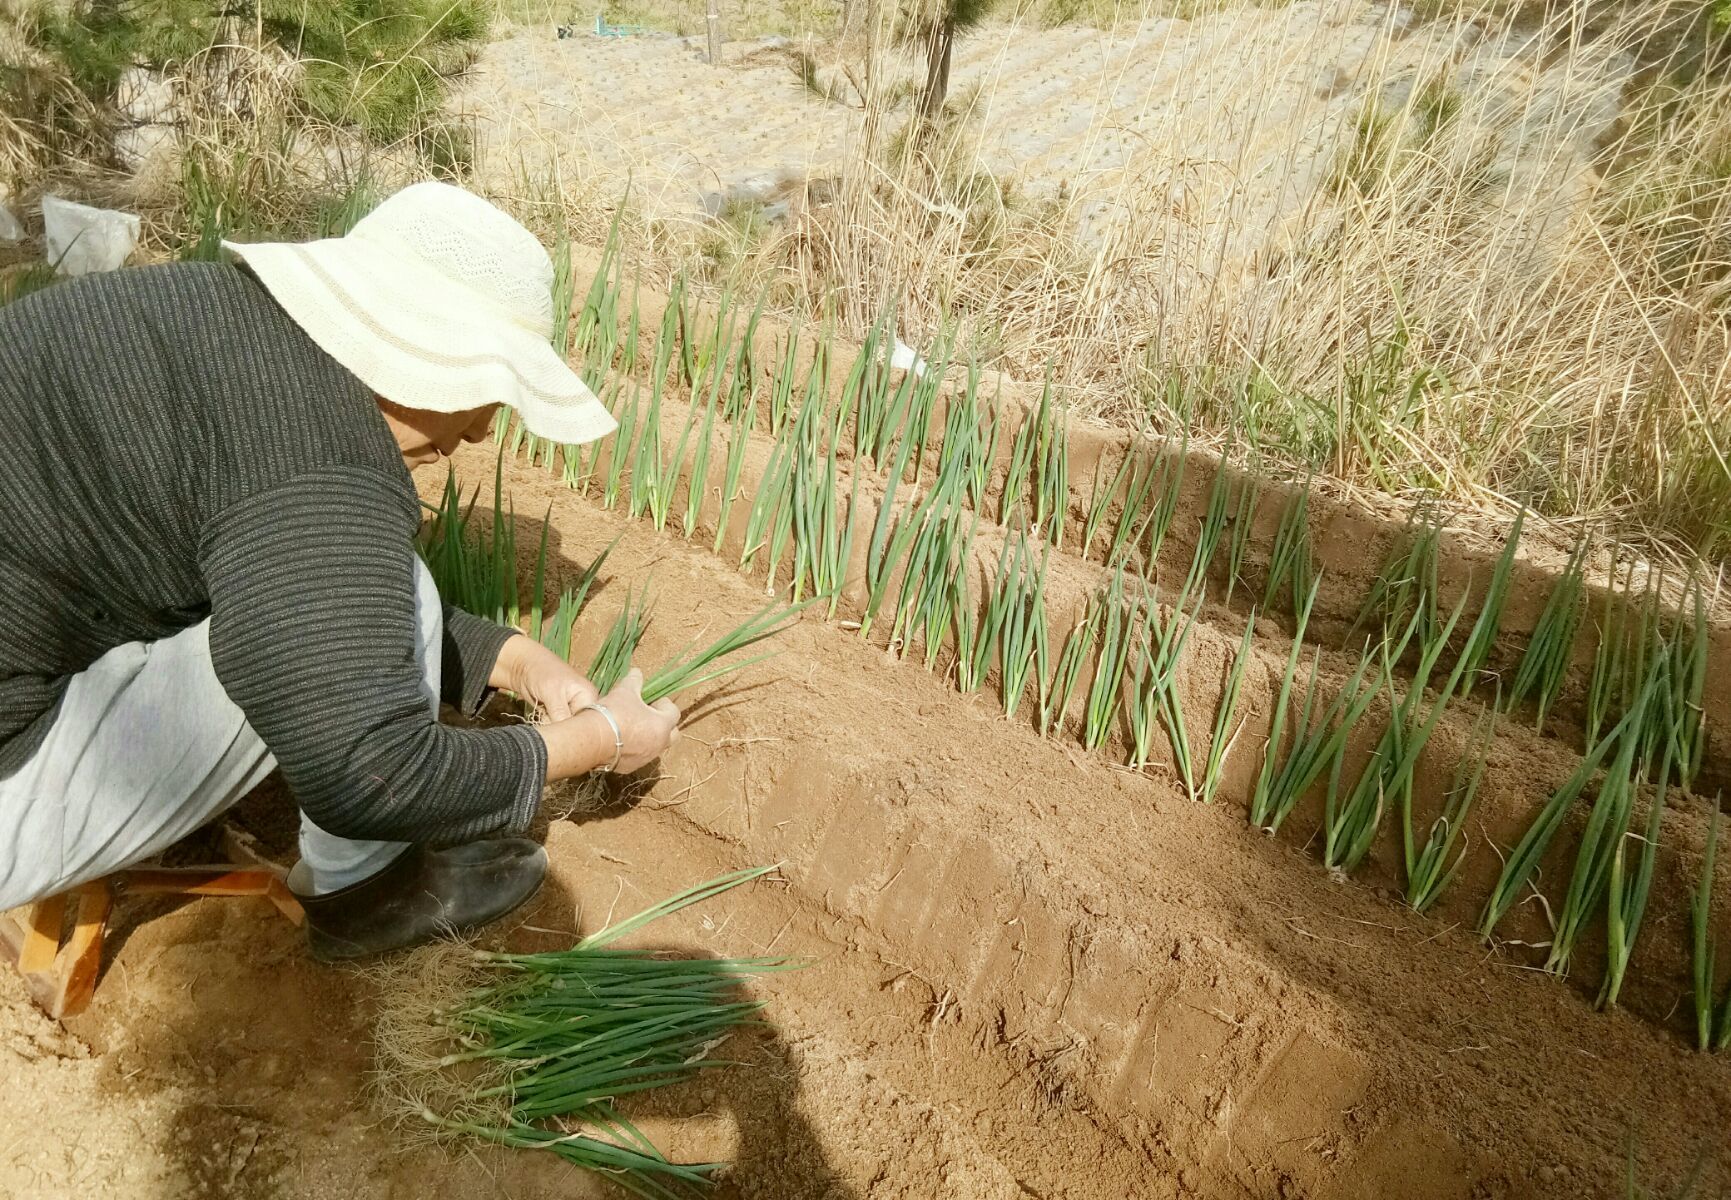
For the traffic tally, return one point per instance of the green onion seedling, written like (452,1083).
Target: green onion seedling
(1223,734)
(1712,1017)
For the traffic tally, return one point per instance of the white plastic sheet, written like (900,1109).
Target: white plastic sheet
(82,240)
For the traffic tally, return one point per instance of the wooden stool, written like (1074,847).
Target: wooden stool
(62,977)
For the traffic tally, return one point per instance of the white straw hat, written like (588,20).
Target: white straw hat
(437,300)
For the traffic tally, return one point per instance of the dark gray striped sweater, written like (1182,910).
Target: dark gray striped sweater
(173,447)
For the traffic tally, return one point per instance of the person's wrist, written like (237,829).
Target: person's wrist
(508,666)
(612,739)
(578,745)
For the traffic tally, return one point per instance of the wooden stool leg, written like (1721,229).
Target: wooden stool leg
(62,979)
(285,902)
(83,952)
(42,935)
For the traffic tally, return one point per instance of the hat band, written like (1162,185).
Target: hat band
(359,313)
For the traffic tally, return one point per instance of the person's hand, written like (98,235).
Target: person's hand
(645,730)
(543,680)
(584,743)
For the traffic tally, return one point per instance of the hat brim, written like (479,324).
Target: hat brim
(421,339)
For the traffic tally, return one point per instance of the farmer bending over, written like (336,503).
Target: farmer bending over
(207,570)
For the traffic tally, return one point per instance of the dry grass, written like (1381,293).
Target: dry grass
(1491,264)
(46,118)
(267,123)
(1490,261)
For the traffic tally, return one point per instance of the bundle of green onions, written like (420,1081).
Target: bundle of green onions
(537,1049)
(691,666)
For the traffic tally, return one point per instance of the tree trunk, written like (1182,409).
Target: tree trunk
(712,21)
(938,48)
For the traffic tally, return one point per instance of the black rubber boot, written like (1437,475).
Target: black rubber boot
(422,895)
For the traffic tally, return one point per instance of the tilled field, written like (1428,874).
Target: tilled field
(1032,971)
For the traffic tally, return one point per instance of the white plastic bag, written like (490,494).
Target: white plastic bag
(903,357)
(11,229)
(83,240)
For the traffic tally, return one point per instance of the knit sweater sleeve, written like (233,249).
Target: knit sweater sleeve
(471,650)
(313,634)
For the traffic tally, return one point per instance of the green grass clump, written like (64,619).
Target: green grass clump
(1212,530)
(764,520)
(1628,630)
(1023,632)
(625,412)
(655,477)
(1168,489)
(1038,483)
(613,656)
(538,1050)
(1146,472)
(935,581)
(1260,799)
(695,664)
(970,440)
(1607,825)
(1627,888)
(865,394)
(1100,499)
(1003,629)
(1318,746)
(19,282)
(1352,825)
(475,570)
(590,337)
(1319,741)
(1243,521)
(1116,618)
(1154,685)
(1488,624)
(554,629)
(822,538)
(738,439)
(1687,714)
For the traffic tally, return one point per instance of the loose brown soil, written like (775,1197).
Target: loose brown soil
(1032,974)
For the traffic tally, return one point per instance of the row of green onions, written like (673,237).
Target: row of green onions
(919,546)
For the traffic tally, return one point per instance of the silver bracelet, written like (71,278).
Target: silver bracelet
(618,737)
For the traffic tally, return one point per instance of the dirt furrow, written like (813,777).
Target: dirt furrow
(1205,996)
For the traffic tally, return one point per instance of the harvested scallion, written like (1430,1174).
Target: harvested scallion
(537,1050)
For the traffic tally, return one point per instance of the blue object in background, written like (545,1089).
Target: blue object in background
(603,29)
